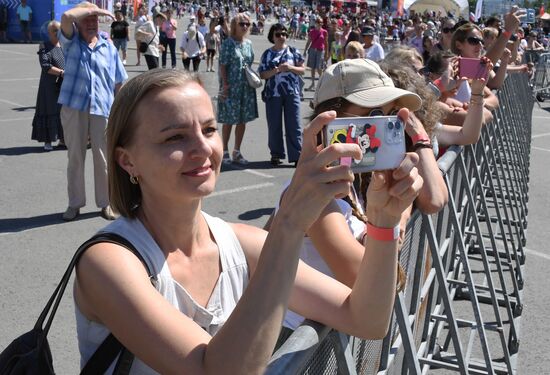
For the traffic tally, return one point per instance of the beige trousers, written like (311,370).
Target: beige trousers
(77,127)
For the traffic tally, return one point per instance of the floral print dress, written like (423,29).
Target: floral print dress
(240,106)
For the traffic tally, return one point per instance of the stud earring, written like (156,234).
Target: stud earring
(134,180)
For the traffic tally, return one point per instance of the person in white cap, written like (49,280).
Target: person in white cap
(335,243)
(192,48)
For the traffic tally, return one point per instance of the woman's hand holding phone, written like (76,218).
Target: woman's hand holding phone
(316,182)
(391,192)
(478,84)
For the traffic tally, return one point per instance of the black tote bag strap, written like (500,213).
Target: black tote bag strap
(112,348)
(105,354)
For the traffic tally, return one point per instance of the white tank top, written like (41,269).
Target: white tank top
(229,288)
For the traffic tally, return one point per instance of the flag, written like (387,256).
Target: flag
(541,11)
(400,6)
(479,10)
(137,3)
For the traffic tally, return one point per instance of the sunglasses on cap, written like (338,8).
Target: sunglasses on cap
(281,34)
(474,41)
(447,30)
(244,24)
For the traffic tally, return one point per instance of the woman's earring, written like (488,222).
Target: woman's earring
(134,180)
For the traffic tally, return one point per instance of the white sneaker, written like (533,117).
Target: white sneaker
(123,62)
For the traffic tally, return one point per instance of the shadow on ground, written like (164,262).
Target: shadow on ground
(13,225)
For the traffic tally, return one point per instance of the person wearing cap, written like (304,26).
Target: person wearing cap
(335,243)
(373,50)
(192,48)
(316,50)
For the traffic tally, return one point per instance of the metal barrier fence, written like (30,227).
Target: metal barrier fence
(462,305)
(541,79)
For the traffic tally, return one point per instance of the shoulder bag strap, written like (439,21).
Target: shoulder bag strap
(110,345)
(153,38)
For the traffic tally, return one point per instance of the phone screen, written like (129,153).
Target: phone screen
(472,68)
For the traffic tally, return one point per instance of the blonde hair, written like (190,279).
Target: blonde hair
(85,4)
(404,77)
(404,54)
(54,25)
(355,48)
(123,123)
(489,32)
(235,20)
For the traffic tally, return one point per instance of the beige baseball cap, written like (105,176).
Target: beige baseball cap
(362,82)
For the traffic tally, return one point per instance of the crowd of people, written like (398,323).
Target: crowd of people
(330,250)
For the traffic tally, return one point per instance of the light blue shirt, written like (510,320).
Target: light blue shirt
(91,74)
(24,12)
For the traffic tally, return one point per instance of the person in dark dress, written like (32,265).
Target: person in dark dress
(46,125)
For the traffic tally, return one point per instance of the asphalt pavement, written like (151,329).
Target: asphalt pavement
(36,245)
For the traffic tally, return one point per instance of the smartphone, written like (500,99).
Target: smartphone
(381,139)
(472,68)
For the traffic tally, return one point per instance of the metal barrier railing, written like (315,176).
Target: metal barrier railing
(461,308)
(541,79)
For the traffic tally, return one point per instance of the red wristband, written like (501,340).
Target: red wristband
(382,234)
(507,34)
(420,138)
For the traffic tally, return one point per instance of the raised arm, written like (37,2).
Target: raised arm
(511,23)
(365,310)
(470,130)
(75,14)
(433,195)
(121,297)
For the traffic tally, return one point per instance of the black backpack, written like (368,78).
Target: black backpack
(30,354)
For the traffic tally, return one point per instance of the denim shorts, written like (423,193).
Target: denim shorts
(120,44)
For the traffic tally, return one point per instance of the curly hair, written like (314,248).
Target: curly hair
(406,78)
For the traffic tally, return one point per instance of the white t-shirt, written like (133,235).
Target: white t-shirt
(190,45)
(375,52)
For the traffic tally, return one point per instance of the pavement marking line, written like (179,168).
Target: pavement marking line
(16,119)
(540,149)
(540,135)
(238,190)
(261,174)
(12,103)
(542,117)
(536,253)
(18,79)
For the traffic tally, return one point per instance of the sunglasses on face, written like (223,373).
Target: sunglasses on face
(375,112)
(447,30)
(244,24)
(281,35)
(474,41)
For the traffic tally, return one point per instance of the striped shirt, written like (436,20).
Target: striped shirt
(90,74)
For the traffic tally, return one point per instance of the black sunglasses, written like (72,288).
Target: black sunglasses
(474,41)
(447,30)
(244,24)
(279,35)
